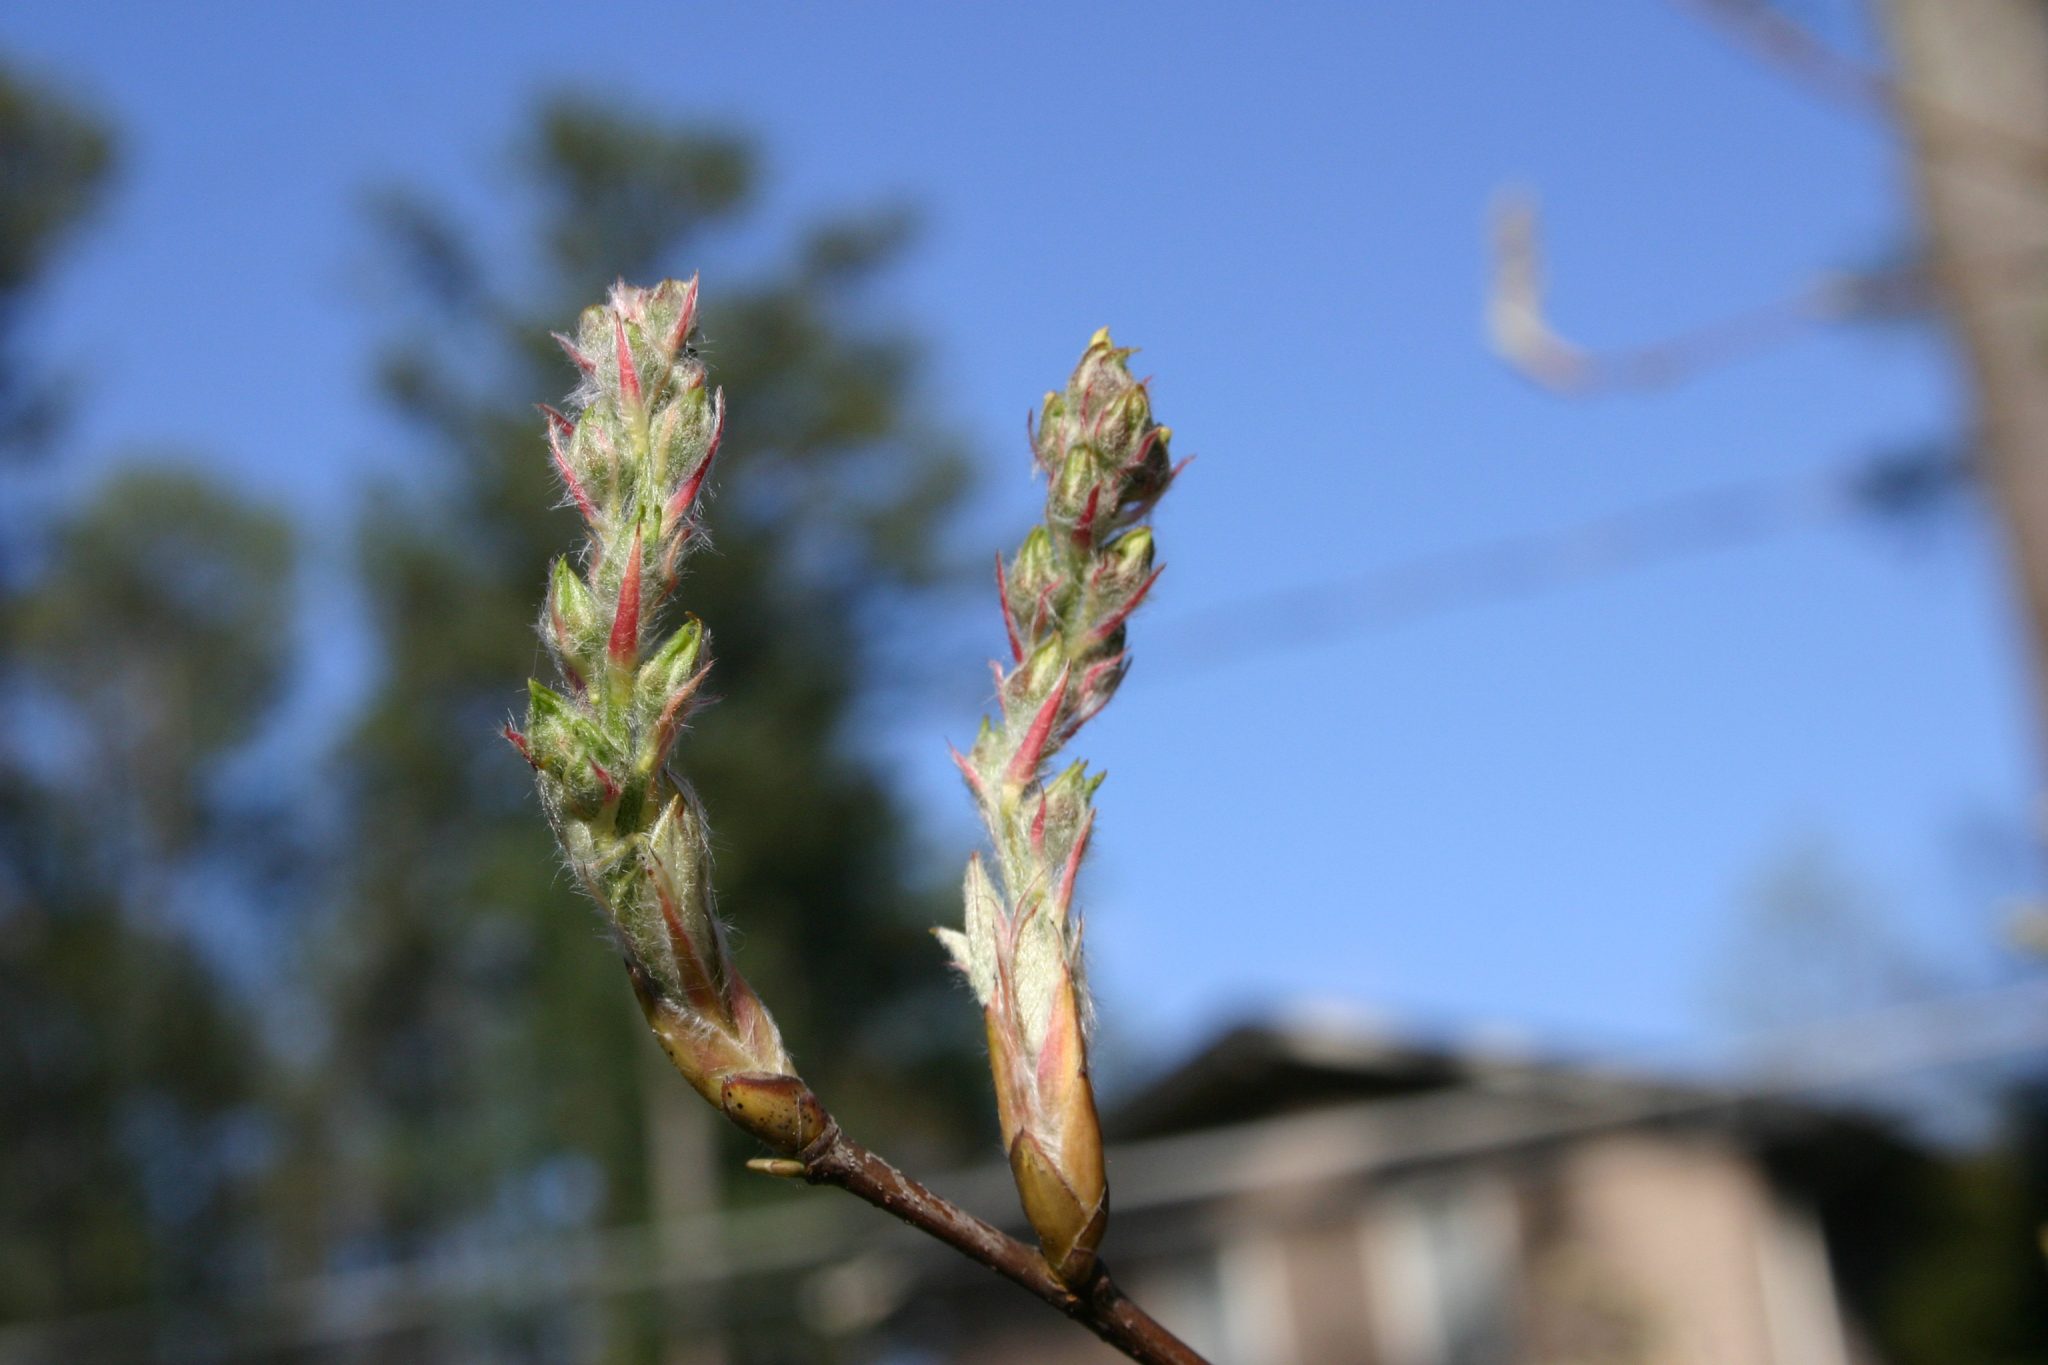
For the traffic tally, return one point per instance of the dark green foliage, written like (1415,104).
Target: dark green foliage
(139,642)
(126,1077)
(164,629)
(54,160)
(1973,1287)
(1937,1255)
(53,164)
(144,652)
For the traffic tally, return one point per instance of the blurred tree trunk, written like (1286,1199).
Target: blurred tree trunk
(683,1179)
(1974,81)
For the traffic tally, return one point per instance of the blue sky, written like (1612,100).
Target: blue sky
(1536,817)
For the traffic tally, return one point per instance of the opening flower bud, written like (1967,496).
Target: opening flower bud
(550,730)
(633,459)
(672,312)
(672,667)
(1133,553)
(1127,419)
(1076,482)
(1101,373)
(574,628)
(1050,440)
(1032,573)
(1066,800)
(1042,668)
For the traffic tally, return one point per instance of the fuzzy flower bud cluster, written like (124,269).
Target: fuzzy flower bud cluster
(1066,597)
(633,460)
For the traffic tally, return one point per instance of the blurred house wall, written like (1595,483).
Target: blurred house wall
(1520,1216)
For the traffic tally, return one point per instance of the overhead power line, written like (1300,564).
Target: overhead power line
(1891,488)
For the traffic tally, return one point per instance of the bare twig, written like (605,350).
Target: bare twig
(1096,1303)
(1798,51)
(1523,335)
(1775,36)
(1909,289)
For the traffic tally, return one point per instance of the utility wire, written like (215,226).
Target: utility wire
(1683,527)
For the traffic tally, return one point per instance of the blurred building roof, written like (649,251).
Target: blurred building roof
(1274,1067)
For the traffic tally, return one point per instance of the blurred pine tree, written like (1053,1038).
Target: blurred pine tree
(54,164)
(141,645)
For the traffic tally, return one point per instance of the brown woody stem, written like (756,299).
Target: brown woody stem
(1097,1304)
